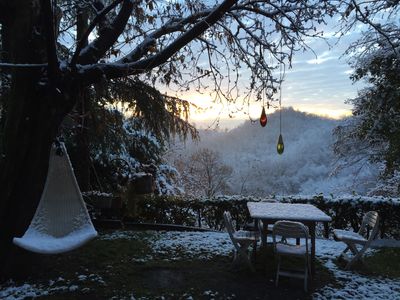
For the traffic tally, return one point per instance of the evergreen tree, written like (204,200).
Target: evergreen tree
(374,131)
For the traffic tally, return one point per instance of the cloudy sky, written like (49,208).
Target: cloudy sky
(317,83)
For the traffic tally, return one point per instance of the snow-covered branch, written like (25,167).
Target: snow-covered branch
(174,25)
(93,73)
(96,49)
(377,27)
(92,25)
(10,67)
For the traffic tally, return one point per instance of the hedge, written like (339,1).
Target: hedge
(346,212)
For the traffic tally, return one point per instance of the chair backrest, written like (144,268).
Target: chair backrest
(231,230)
(290,229)
(369,224)
(228,222)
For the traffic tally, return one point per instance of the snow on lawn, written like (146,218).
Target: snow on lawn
(186,245)
(354,286)
(205,245)
(193,244)
(12,292)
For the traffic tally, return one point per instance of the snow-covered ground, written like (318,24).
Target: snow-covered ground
(207,244)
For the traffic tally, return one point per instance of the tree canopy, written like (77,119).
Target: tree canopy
(374,131)
(58,55)
(174,42)
(61,55)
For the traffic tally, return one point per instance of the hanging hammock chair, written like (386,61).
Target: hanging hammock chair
(61,222)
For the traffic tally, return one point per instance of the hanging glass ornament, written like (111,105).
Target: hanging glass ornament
(263,118)
(280,146)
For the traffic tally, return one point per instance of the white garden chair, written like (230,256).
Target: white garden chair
(291,230)
(364,237)
(241,240)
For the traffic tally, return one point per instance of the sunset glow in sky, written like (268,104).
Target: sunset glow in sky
(315,84)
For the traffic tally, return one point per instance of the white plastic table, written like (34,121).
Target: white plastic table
(269,213)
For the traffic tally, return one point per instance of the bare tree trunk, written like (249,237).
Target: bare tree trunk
(33,117)
(81,159)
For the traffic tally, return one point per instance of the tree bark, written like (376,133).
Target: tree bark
(81,159)
(34,113)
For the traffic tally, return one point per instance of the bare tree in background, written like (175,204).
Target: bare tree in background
(204,173)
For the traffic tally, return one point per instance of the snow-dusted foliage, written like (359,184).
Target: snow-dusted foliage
(388,187)
(168,180)
(306,166)
(121,150)
(374,131)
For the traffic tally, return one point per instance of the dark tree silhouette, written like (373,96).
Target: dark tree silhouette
(53,51)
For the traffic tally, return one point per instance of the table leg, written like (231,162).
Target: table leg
(326,230)
(264,233)
(312,234)
(255,242)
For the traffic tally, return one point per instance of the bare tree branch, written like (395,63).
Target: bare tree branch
(96,49)
(93,73)
(53,64)
(96,20)
(170,27)
(362,17)
(9,67)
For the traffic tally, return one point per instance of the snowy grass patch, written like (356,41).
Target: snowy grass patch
(150,251)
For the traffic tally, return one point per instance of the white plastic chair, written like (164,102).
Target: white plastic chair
(241,240)
(364,237)
(291,230)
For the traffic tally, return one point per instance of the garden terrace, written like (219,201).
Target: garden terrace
(194,265)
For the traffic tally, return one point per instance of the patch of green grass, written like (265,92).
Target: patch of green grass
(112,261)
(384,262)
(120,268)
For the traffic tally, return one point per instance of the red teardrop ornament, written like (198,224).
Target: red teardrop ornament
(263,118)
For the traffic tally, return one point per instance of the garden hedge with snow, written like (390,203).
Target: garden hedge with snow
(346,212)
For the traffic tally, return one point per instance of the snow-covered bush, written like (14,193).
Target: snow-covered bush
(373,133)
(346,212)
(121,149)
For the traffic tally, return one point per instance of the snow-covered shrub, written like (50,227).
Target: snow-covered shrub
(120,149)
(346,212)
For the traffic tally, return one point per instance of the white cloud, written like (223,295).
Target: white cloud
(320,59)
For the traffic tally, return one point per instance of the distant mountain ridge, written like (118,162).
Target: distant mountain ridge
(305,167)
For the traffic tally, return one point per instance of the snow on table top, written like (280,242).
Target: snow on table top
(286,211)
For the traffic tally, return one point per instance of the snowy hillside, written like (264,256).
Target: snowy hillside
(305,167)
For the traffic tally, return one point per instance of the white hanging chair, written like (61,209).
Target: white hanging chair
(61,222)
